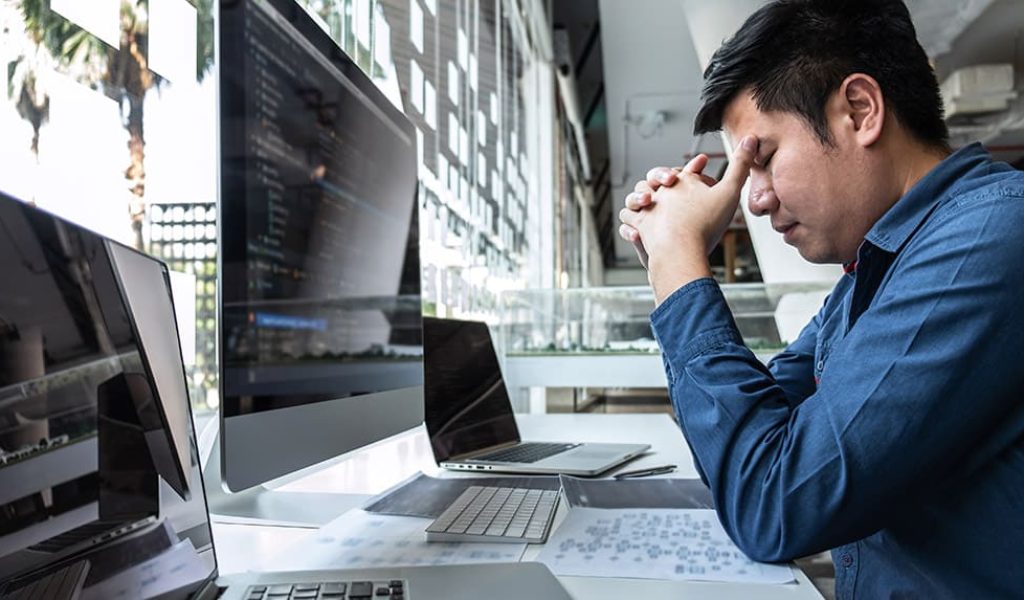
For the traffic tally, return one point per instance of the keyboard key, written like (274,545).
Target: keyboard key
(279,590)
(333,589)
(360,589)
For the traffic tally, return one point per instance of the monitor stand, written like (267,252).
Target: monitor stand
(262,505)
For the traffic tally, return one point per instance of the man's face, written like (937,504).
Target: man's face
(816,196)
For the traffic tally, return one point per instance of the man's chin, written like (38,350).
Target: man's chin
(816,257)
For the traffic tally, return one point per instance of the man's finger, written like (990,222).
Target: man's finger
(629,217)
(659,176)
(633,236)
(697,164)
(642,186)
(638,200)
(708,180)
(740,162)
(629,234)
(701,177)
(641,252)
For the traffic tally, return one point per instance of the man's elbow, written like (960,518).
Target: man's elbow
(770,543)
(765,552)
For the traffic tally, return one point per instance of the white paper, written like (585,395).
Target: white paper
(359,539)
(172,40)
(175,568)
(673,544)
(102,18)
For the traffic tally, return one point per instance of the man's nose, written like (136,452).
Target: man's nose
(761,200)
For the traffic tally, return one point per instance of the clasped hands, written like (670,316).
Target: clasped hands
(676,216)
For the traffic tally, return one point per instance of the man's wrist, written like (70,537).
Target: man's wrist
(671,273)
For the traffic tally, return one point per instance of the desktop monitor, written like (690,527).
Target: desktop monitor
(319,298)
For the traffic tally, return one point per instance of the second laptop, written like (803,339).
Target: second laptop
(469,415)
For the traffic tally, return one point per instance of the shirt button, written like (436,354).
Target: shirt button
(847,560)
(821,365)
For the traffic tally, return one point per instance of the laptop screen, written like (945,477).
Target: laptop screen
(467,404)
(88,467)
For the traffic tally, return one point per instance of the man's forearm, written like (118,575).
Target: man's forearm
(669,273)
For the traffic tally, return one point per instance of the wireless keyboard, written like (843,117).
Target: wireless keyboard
(496,514)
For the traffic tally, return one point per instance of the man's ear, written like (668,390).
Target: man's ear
(862,107)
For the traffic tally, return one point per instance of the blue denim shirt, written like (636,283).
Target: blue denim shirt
(892,430)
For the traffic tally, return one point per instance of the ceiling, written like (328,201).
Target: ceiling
(637,67)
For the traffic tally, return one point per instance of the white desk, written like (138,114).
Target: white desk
(374,469)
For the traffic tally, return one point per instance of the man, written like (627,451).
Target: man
(892,430)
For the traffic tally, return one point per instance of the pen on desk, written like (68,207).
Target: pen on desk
(645,472)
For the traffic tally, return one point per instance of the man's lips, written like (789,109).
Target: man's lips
(788,232)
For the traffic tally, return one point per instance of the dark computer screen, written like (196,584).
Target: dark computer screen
(318,217)
(467,403)
(320,309)
(82,444)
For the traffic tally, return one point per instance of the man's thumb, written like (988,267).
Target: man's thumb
(740,163)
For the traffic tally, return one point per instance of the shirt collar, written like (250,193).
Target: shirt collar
(896,226)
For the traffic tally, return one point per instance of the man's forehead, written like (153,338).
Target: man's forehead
(742,117)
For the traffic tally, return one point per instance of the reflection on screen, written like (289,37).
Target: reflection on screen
(320,273)
(77,412)
(467,404)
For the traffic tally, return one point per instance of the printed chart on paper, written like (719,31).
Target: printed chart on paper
(688,544)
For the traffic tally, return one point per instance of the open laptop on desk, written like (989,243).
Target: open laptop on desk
(469,415)
(86,449)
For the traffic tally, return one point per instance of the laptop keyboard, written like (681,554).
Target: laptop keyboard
(496,514)
(528,452)
(394,589)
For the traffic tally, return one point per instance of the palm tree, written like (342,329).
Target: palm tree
(121,73)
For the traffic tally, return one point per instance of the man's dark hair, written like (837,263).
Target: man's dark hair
(793,54)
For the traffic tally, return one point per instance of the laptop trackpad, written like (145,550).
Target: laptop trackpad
(587,456)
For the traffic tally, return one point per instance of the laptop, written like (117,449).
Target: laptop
(469,415)
(90,507)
